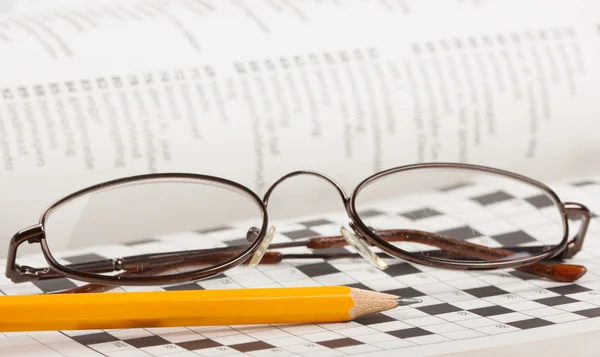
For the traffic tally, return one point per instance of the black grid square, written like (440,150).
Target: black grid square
(464,232)
(409,332)
(405,292)
(213,229)
(593,312)
(340,342)
(569,289)
(188,286)
(84,258)
(523,275)
(374,319)
(301,234)
(437,309)
(370,213)
(513,238)
(316,222)
(486,291)
(540,201)
(94,338)
(401,269)
(199,344)
(531,323)
(317,269)
(454,186)
(358,286)
(491,311)
(421,213)
(150,341)
(492,198)
(54,284)
(556,300)
(238,242)
(251,346)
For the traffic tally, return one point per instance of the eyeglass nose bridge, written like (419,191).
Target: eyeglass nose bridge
(336,185)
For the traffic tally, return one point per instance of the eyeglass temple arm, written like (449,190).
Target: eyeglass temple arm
(460,248)
(454,248)
(144,262)
(149,264)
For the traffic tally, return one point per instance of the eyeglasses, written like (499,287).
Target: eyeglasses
(430,200)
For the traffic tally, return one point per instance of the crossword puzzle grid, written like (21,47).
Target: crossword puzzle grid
(456,305)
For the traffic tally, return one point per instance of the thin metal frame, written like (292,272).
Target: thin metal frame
(452,264)
(84,272)
(36,234)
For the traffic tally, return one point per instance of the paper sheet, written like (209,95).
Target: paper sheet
(344,87)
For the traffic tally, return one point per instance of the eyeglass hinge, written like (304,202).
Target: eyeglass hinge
(576,211)
(573,247)
(36,239)
(27,273)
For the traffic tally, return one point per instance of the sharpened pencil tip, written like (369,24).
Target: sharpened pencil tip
(407,301)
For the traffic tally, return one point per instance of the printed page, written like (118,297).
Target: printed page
(253,90)
(13,6)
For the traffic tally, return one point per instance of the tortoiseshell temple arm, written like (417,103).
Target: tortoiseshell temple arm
(452,248)
(457,249)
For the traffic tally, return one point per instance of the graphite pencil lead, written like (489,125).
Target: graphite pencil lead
(407,301)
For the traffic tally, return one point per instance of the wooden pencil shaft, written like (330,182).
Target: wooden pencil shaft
(185,308)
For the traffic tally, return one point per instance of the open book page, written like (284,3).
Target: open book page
(20,6)
(460,310)
(253,90)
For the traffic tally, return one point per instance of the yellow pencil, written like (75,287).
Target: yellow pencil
(191,308)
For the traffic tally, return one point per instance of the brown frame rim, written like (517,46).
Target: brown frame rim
(362,228)
(154,280)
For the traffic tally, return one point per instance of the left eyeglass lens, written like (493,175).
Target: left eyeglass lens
(161,217)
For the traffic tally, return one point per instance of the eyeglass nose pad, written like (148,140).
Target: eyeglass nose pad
(252,234)
(363,249)
(262,248)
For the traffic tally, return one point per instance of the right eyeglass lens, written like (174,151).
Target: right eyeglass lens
(461,214)
(163,219)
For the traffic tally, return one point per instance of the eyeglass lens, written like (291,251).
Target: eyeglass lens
(141,211)
(461,205)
